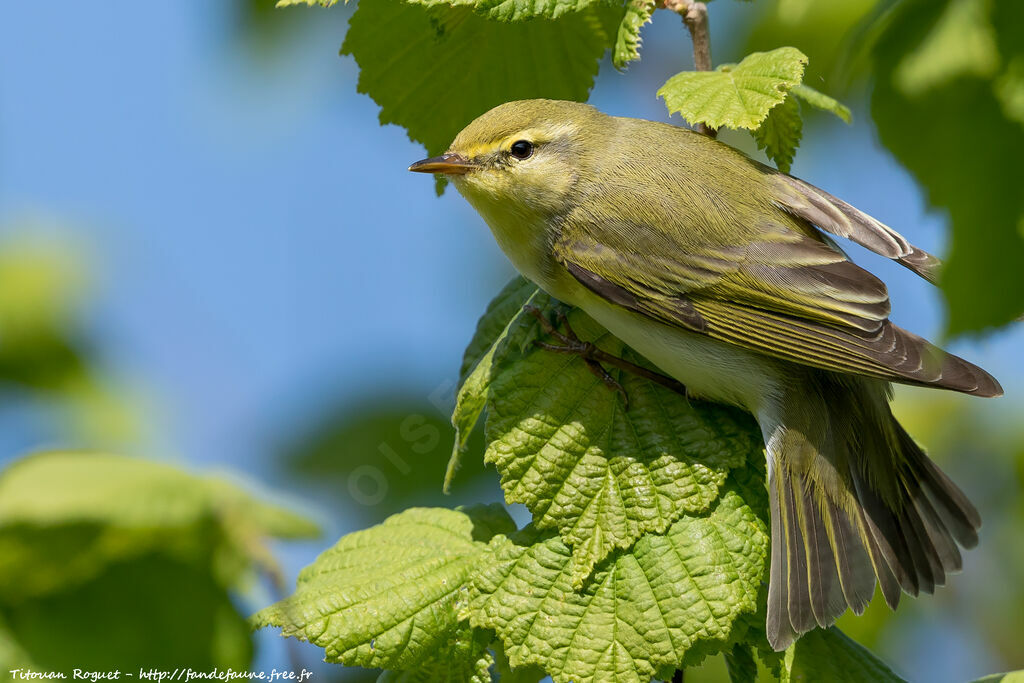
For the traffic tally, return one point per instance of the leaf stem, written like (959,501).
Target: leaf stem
(695,16)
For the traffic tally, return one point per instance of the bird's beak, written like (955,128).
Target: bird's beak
(449,163)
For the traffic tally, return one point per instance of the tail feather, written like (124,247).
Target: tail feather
(956,512)
(946,550)
(778,627)
(926,562)
(885,531)
(826,591)
(887,581)
(854,500)
(800,614)
(853,562)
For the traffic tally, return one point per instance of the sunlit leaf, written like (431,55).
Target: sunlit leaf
(464,659)
(961,43)
(822,101)
(386,597)
(627,42)
(641,611)
(779,134)
(519,10)
(109,562)
(735,95)
(566,448)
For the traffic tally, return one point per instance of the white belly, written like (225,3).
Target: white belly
(709,368)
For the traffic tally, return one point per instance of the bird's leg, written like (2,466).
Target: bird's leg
(595,357)
(571,344)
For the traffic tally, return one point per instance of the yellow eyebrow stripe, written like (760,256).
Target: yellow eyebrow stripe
(536,135)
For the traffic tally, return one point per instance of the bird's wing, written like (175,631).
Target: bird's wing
(835,216)
(783,294)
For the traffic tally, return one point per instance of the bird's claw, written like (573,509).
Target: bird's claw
(595,358)
(570,343)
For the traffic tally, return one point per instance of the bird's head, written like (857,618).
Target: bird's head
(526,155)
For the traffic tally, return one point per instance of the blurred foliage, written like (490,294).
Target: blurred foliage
(45,354)
(109,562)
(381,456)
(981,446)
(946,97)
(827,32)
(265,30)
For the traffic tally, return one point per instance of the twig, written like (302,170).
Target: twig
(695,16)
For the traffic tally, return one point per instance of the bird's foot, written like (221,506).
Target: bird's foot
(594,357)
(571,344)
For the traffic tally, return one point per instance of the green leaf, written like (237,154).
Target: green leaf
(822,101)
(498,10)
(434,69)
(642,611)
(519,10)
(11,653)
(66,487)
(464,659)
(627,41)
(735,95)
(64,517)
(44,289)
(1010,677)
(387,596)
(952,132)
(830,655)
(110,562)
(1009,88)
(779,134)
(506,674)
(503,308)
(145,611)
(602,476)
(311,3)
(518,330)
(741,664)
(961,43)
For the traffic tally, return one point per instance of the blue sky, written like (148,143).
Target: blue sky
(258,245)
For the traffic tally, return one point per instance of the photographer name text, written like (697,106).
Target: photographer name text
(161,675)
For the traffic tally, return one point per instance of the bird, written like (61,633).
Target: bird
(725,274)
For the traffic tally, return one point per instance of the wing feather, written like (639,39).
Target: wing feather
(835,216)
(785,294)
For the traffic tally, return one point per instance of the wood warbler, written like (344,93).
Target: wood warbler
(714,267)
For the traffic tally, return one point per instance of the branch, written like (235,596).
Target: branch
(695,16)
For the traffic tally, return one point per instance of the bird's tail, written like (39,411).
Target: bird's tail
(853,500)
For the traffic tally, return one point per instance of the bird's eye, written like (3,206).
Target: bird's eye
(522,149)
